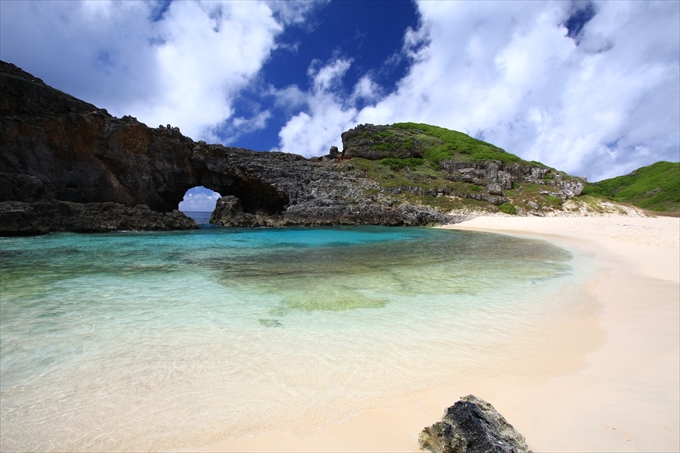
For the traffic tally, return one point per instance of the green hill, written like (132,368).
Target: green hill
(418,164)
(443,144)
(655,187)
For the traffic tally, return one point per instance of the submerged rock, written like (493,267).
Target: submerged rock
(270,323)
(472,426)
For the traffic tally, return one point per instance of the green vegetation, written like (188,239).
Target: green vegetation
(399,164)
(554,200)
(440,144)
(430,181)
(655,187)
(391,173)
(508,208)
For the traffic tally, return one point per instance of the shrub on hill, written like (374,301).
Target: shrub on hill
(655,187)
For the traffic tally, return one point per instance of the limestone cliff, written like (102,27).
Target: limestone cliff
(66,165)
(55,148)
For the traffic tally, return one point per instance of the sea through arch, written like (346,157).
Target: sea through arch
(199,203)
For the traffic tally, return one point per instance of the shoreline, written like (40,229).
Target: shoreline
(615,388)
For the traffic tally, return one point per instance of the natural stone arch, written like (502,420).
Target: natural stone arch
(257,197)
(199,199)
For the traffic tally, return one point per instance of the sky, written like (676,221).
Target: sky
(588,87)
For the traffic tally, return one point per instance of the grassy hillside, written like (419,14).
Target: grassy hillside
(443,144)
(438,180)
(655,187)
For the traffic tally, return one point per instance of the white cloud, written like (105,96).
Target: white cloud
(313,132)
(366,89)
(508,72)
(199,200)
(96,50)
(240,126)
(503,71)
(185,69)
(289,98)
(294,12)
(329,76)
(211,51)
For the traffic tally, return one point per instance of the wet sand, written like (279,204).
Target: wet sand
(604,378)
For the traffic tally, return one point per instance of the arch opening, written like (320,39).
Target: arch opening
(199,203)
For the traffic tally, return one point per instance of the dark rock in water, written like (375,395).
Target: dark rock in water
(472,426)
(20,218)
(229,213)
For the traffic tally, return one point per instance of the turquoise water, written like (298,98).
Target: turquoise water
(177,339)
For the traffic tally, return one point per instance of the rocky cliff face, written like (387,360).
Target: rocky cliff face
(375,142)
(56,149)
(66,165)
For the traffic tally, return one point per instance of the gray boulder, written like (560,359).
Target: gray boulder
(472,426)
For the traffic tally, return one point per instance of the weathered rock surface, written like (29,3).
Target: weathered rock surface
(497,176)
(18,218)
(472,425)
(375,142)
(55,148)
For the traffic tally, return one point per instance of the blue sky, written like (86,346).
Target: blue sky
(591,88)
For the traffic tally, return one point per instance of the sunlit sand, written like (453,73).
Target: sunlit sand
(610,380)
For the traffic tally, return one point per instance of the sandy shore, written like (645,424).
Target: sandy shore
(611,381)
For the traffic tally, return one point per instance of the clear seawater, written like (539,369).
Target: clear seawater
(174,340)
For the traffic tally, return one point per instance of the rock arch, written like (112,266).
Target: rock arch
(65,162)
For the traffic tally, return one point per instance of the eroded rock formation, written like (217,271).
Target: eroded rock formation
(55,148)
(375,142)
(472,425)
(40,217)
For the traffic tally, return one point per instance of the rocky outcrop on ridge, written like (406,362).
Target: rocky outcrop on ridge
(376,142)
(472,425)
(497,177)
(373,142)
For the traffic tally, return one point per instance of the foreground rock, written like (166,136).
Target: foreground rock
(472,426)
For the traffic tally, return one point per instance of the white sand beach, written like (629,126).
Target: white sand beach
(605,378)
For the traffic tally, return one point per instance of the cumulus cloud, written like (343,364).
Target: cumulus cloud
(598,99)
(97,50)
(592,88)
(210,51)
(328,113)
(199,199)
(184,66)
(294,12)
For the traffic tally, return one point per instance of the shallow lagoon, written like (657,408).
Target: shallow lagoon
(179,339)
